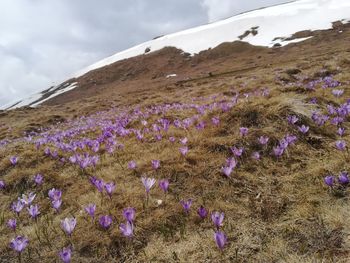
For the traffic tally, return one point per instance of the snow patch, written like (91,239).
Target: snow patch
(59,91)
(171,76)
(37,99)
(286,42)
(22,103)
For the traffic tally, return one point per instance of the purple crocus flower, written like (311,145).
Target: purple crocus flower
(38,179)
(56,204)
(17,206)
(329,180)
(278,151)
(33,211)
(343,178)
(292,119)
(172,139)
(129,214)
(202,212)
(28,199)
(68,225)
(184,140)
(337,121)
(164,185)
(127,229)
(263,140)
(283,144)
(148,183)
(110,187)
(341,131)
(231,162)
(65,255)
(155,164)
(12,223)
(73,159)
(132,165)
(215,121)
(220,239)
(200,125)
(304,129)
(47,151)
(331,110)
(227,170)
(290,139)
(19,243)
(184,150)
(2,185)
(337,92)
(90,209)
(105,221)
(55,194)
(256,156)
(341,145)
(158,137)
(243,131)
(99,184)
(217,218)
(14,160)
(186,205)
(139,135)
(313,100)
(237,151)
(54,154)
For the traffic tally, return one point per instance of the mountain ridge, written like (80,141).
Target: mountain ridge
(253,27)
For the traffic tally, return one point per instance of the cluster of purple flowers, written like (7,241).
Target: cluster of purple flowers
(106,221)
(84,161)
(229,167)
(19,243)
(342,180)
(216,217)
(55,196)
(26,201)
(127,229)
(101,186)
(283,144)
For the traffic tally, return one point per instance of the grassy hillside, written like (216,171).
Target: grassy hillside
(277,208)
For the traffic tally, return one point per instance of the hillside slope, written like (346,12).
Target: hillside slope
(276,205)
(273,26)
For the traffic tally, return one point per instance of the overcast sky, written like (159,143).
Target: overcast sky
(42,42)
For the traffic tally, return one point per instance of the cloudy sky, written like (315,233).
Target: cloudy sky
(44,42)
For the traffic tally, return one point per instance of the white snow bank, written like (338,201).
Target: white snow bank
(276,21)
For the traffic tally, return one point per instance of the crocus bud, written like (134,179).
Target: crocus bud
(329,180)
(202,212)
(220,239)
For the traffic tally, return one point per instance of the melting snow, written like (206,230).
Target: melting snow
(59,91)
(276,21)
(171,75)
(37,99)
(286,42)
